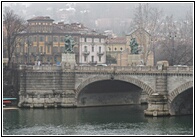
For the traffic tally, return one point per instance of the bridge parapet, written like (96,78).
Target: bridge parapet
(134,69)
(40,68)
(180,69)
(114,69)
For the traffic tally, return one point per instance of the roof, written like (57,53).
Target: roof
(138,29)
(117,40)
(41,18)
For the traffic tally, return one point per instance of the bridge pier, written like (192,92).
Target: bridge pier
(158,102)
(157,105)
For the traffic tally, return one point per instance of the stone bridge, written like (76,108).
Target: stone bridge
(167,90)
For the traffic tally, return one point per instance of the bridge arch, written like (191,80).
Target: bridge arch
(179,90)
(131,80)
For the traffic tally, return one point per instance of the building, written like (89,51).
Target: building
(115,46)
(145,45)
(119,48)
(43,41)
(92,49)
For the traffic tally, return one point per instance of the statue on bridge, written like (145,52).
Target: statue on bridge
(134,46)
(69,43)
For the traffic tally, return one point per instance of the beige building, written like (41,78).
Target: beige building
(119,48)
(115,46)
(44,41)
(143,39)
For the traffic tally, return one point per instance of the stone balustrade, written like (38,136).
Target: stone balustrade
(110,69)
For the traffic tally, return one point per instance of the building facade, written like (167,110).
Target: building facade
(143,38)
(92,49)
(116,46)
(43,40)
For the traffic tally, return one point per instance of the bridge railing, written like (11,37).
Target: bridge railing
(180,69)
(117,69)
(95,68)
(40,68)
(136,68)
(128,69)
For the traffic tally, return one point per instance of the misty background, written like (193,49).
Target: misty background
(100,16)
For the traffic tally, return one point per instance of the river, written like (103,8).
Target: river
(110,120)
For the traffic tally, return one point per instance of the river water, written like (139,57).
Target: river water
(111,120)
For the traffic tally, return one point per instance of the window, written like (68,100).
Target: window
(41,49)
(62,39)
(35,38)
(75,39)
(85,48)
(96,40)
(89,39)
(121,48)
(48,49)
(29,39)
(55,58)
(115,48)
(99,58)
(85,39)
(85,58)
(62,49)
(48,59)
(49,39)
(92,58)
(55,39)
(34,49)
(41,39)
(92,48)
(55,49)
(109,48)
(99,49)
(17,49)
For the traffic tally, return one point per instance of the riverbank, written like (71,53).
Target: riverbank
(10,108)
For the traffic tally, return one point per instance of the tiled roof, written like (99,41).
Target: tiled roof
(138,29)
(117,40)
(41,18)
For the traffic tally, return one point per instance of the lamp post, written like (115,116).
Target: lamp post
(28,50)
(153,47)
(172,36)
(28,45)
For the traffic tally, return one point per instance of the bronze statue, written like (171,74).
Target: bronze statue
(69,43)
(134,46)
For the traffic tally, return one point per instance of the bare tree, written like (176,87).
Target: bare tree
(150,19)
(147,17)
(176,44)
(12,25)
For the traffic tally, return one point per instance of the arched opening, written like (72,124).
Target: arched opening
(182,104)
(109,92)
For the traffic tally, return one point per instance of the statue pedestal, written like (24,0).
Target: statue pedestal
(134,59)
(68,60)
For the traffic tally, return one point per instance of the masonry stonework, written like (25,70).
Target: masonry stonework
(55,86)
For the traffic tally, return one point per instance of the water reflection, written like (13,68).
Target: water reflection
(112,120)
